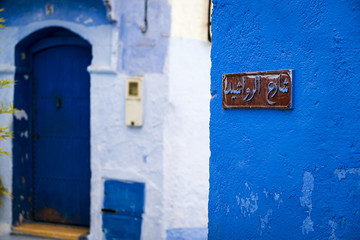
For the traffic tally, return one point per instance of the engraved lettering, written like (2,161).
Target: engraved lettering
(268,89)
(272,87)
(284,89)
(230,90)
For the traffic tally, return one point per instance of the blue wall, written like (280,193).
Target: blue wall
(291,174)
(143,52)
(186,234)
(22,12)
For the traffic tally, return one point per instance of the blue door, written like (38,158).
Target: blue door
(61,130)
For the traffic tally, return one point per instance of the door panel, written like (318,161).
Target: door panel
(61,135)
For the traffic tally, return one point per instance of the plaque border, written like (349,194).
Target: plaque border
(288,71)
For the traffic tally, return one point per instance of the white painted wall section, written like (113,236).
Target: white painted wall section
(186,140)
(189,19)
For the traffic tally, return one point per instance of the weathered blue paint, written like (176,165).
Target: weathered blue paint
(58,148)
(61,126)
(287,174)
(186,234)
(22,177)
(126,198)
(88,12)
(121,227)
(138,53)
(122,210)
(141,53)
(115,44)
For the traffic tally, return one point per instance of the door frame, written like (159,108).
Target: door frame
(105,51)
(22,146)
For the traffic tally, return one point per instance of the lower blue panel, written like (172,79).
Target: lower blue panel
(187,234)
(117,227)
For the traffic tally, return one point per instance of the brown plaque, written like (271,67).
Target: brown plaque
(268,89)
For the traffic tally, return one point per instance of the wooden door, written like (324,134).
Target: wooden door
(61,132)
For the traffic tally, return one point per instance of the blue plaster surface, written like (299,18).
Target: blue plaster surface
(292,174)
(139,52)
(88,12)
(186,234)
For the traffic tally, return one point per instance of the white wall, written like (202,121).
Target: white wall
(117,151)
(170,152)
(128,153)
(189,19)
(186,140)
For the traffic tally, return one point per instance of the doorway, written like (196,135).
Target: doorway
(51,180)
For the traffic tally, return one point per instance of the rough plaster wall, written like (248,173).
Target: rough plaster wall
(140,53)
(89,13)
(5,161)
(290,174)
(23,18)
(189,19)
(117,151)
(186,136)
(133,154)
(13,34)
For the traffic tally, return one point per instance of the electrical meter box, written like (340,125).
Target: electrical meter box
(133,114)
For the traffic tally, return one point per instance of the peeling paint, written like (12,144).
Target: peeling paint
(87,21)
(249,204)
(308,187)
(264,221)
(52,215)
(38,17)
(278,199)
(266,193)
(308,225)
(341,173)
(276,196)
(20,115)
(21,217)
(305,201)
(333,226)
(24,134)
(78,19)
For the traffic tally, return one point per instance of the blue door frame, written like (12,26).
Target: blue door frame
(51,171)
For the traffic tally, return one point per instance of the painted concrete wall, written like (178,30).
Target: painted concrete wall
(26,17)
(169,153)
(186,136)
(291,174)
(117,151)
